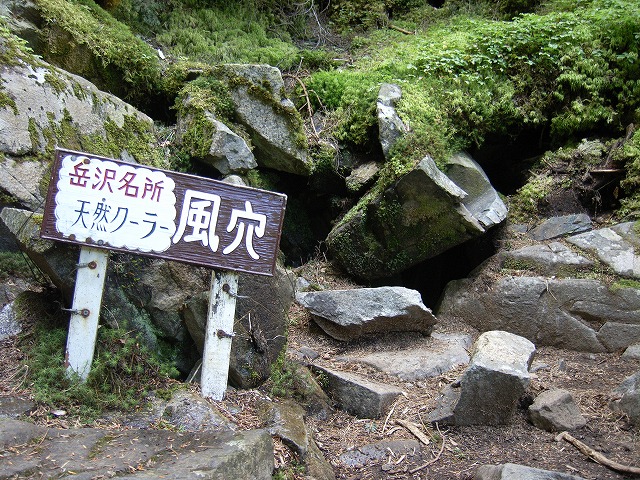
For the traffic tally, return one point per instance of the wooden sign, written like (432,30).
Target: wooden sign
(106,203)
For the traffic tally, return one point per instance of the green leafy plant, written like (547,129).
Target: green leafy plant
(123,372)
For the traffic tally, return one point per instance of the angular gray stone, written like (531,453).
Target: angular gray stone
(441,353)
(632,351)
(491,385)
(14,407)
(357,395)
(482,200)
(555,411)
(390,125)
(9,324)
(192,413)
(559,226)
(286,421)
(349,314)
(548,259)
(626,398)
(376,452)
(618,247)
(362,176)
(228,153)
(566,313)
(417,217)
(511,471)
(271,119)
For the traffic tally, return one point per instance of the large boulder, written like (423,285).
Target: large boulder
(419,216)
(573,313)
(482,200)
(270,118)
(212,142)
(626,398)
(45,107)
(511,471)
(492,384)
(618,247)
(349,314)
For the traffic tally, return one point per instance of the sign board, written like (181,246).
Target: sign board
(106,203)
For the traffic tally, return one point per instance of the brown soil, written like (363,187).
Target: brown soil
(452,452)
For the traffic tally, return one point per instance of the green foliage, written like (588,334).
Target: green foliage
(283,377)
(13,264)
(230,33)
(563,71)
(122,374)
(109,40)
(630,157)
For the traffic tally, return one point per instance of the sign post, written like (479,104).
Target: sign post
(85,311)
(101,203)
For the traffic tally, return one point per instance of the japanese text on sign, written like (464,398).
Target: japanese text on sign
(130,207)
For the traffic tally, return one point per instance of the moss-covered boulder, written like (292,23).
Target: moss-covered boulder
(271,119)
(419,216)
(43,107)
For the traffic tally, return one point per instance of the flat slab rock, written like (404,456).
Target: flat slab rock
(439,354)
(348,314)
(377,452)
(618,247)
(357,395)
(511,471)
(96,453)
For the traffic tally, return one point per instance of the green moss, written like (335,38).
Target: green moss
(7,102)
(13,264)
(625,283)
(55,81)
(110,41)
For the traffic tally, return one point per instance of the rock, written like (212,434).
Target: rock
(228,153)
(632,351)
(349,314)
(355,394)
(560,226)
(378,452)
(92,453)
(65,102)
(55,259)
(440,354)
(627,398)
(21,179)
(17,432)
(272,120)
(510,471)
(390,126)
(492,384)
(549,259)
(482,200)
(9,325)
(567,313)
(192,413)
(14,407)
(286,421)
(555,411)
(614,246)
(362,176)
(417,217)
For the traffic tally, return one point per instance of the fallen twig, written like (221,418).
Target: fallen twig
(389,416)
(434,459)
(415,430)
(401,30)
(596,456)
